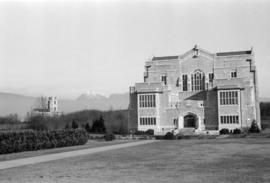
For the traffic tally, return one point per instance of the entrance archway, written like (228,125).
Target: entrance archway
(190,121)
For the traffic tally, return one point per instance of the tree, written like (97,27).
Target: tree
(67,126)
(121,121)
(254,127)
(87,127)
(98,125)
(74,125)
(10,119)
(38,123)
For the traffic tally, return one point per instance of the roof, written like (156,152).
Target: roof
(229,87)
(148,87)
(165,58)
(41,110)
(234,53)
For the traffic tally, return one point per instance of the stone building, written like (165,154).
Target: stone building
(48,107)
(196,90)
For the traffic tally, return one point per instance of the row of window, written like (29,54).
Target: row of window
(147,100)
(229,119)
(228,98)
(148,121)
(197,80)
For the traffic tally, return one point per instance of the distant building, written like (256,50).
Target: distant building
(49,109)
(196,90)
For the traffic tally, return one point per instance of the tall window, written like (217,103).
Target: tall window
(229,119)
(185,82)
(164,79)
(148,121)
(198,81)
(211,77)
(233,74)
(147,100)
(175,122)
(228,98)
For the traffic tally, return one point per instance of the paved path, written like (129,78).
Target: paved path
(57,156)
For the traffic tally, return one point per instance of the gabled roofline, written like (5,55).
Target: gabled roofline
(196,48)
(232,53)
(165,58)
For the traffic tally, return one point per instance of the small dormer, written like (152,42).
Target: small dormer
(195,52)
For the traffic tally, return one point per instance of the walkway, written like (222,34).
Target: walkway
(57,156)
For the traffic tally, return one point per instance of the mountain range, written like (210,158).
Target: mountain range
(20,104)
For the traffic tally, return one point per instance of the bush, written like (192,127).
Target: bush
(38,123)
(236,131)
(34,140)
(109,137)
(169,136)
(98,125)
(149,132)
(254,127)
(87,127)
(74,125)
(139,133)
(224,131)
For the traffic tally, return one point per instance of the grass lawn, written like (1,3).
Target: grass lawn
(89,144)
(207,160)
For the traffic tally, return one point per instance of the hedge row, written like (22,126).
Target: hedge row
(34,140)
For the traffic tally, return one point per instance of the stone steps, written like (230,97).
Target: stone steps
(187,131)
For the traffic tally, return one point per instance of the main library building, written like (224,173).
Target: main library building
(197,90)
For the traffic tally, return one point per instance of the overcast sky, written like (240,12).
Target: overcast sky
(65,49)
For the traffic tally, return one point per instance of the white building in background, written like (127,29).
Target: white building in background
(48,108)
(52,104)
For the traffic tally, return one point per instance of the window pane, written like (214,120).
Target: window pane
(236,97)
(154,100)
(221,98)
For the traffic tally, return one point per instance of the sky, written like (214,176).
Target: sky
(66,48)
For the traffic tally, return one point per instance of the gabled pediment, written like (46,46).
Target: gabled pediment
(196,52)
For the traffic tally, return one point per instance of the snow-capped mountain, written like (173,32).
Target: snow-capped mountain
(14,103)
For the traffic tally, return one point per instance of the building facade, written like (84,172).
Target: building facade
(48,107)
(196,90)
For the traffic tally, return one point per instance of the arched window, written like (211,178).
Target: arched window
(198,81)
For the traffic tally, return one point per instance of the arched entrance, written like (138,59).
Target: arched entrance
(190,121)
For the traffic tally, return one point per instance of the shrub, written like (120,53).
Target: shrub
(74,125)
(38,123)
(254,127)
(149,132)
(87,127)
(169,136)
(109,137)
(139,132)
(236,131)
(224,131)
(67,126)
(34,140)
(98,125)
